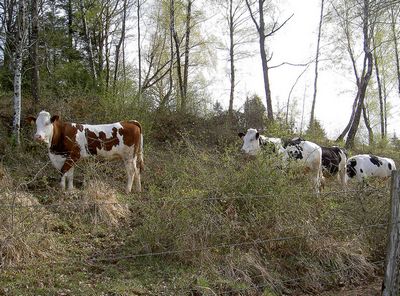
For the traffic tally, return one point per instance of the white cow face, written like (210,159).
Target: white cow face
(251,142)
(44,127)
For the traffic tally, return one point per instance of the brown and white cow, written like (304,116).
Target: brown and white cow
(68,142)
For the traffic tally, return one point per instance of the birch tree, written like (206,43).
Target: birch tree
(20,41)
(35,49)
(312,115)
(88,39)
(257,10)
(235,16)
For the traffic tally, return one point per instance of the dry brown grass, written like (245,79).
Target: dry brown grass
(101,201)
(23,224)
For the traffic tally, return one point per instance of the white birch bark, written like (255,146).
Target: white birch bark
(20,37)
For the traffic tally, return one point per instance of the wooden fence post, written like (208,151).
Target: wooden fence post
(390,285)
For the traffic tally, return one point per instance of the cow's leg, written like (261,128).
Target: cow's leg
(317,180)
(67,180)
(129,166)
(62,182)
(343,178)
(138,186)
(70,179)
(68,172)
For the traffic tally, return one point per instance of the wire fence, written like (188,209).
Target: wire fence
(182,199)
(206,198)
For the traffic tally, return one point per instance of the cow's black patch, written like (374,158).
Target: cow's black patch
(330,160)
(267,146)
(296,153)
(375,160)
(292,142)
(351,168)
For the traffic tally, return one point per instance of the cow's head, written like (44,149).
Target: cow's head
(251,142)
(44,126)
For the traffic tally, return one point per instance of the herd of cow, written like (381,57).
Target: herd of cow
(68,142)
(321,162)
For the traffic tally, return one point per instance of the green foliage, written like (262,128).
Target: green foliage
(254,113)
(316,132)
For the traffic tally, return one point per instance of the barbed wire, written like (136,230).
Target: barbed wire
(92,261)
(206,198)
(334,193)
(240,244)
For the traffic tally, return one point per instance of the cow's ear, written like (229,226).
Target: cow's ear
(257,135)
(241,135)
(31,120)
(54,118)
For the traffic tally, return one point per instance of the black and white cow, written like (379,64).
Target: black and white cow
(334,163)
(364,166)
(253,141)
(310,154)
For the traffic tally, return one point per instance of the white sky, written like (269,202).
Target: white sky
(296,43)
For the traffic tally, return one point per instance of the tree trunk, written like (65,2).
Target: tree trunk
(232,58)
(139,51)
(311,125)
(19,47)
(378,81)
(171,44)
(264,62)
(179,71)
(118,47)
(385,95)
(396,50)
(260,26)
(364,80)
(35,50)
(187,53)
(346,129)
(368,126)
(70,28)
(88,41)
(107,48)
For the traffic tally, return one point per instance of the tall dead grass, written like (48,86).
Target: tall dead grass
(23,229)
(252,227)
(101,202)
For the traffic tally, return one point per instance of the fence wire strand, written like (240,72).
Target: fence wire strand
(92,261)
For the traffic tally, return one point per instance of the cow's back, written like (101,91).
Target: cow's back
(114,140)
(366,165)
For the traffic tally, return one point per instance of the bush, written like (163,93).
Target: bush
(248,223)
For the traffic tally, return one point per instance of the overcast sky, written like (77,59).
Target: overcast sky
(296,43)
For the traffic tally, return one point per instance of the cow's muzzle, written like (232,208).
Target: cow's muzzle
(38,138)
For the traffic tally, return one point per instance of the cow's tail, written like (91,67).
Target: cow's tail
(141,160)
(139,151)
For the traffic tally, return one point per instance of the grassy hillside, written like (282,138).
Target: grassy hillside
(209,222)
